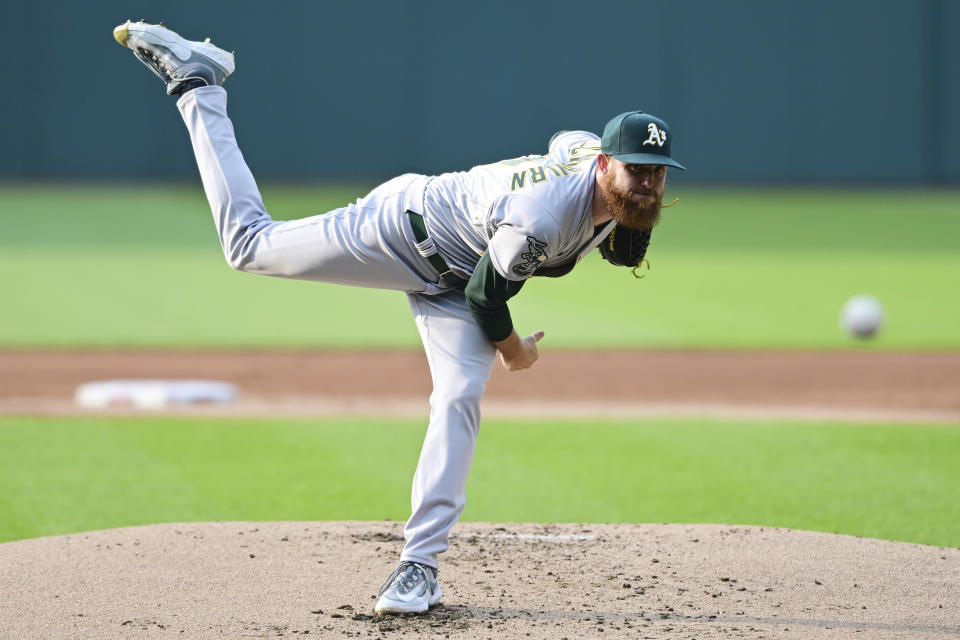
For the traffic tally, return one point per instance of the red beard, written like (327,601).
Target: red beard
(636,215)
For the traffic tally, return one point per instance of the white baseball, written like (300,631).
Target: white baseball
(862,316)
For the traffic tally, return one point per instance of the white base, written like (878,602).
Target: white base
(153,394)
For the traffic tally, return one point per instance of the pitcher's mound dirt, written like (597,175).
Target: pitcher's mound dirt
(269,580)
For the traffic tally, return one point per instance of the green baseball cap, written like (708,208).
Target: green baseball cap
(636,137)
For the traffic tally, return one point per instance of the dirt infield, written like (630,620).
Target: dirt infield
(269,580)
(865,385)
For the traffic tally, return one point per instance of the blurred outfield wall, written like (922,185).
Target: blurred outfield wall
(820,90)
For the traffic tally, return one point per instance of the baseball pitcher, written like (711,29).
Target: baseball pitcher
(459,244)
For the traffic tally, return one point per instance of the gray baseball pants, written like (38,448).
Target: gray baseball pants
(370,244)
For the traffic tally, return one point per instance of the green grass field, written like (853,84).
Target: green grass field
(107,266)
(140,266)
(891,481)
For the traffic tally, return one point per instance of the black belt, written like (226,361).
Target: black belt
(438,263)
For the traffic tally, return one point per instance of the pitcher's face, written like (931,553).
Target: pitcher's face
(632,192)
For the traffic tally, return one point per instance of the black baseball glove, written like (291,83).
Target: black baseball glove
(625,247)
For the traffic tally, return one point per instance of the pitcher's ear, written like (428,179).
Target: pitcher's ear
(603,161)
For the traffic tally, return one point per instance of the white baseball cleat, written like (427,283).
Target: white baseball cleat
(175,60)
(411,588)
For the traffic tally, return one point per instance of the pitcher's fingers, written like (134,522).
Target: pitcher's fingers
(537,336)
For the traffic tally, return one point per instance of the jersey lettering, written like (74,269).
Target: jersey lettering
(578,156)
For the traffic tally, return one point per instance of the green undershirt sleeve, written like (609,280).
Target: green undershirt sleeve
(487,293)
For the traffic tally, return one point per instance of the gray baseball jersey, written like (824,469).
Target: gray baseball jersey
(528,212)
(522,215)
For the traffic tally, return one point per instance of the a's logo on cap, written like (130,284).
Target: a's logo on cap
(657,136)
